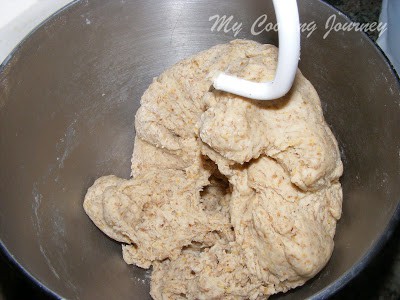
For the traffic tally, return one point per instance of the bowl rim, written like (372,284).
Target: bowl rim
(325,293)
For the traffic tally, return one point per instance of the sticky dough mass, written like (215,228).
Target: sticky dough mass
(230,198)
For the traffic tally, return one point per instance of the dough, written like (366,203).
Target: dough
(230,198)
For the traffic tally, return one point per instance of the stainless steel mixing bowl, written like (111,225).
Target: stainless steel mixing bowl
(68,96)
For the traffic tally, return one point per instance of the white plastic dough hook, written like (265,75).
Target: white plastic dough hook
(287,16)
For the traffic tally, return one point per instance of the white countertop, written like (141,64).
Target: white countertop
(19,17)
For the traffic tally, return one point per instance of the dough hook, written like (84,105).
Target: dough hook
(287,16)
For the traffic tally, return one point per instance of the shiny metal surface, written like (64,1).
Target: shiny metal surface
(68,97)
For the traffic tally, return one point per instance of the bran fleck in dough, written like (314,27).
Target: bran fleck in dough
(230,198)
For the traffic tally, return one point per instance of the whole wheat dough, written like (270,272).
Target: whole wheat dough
(230,198)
